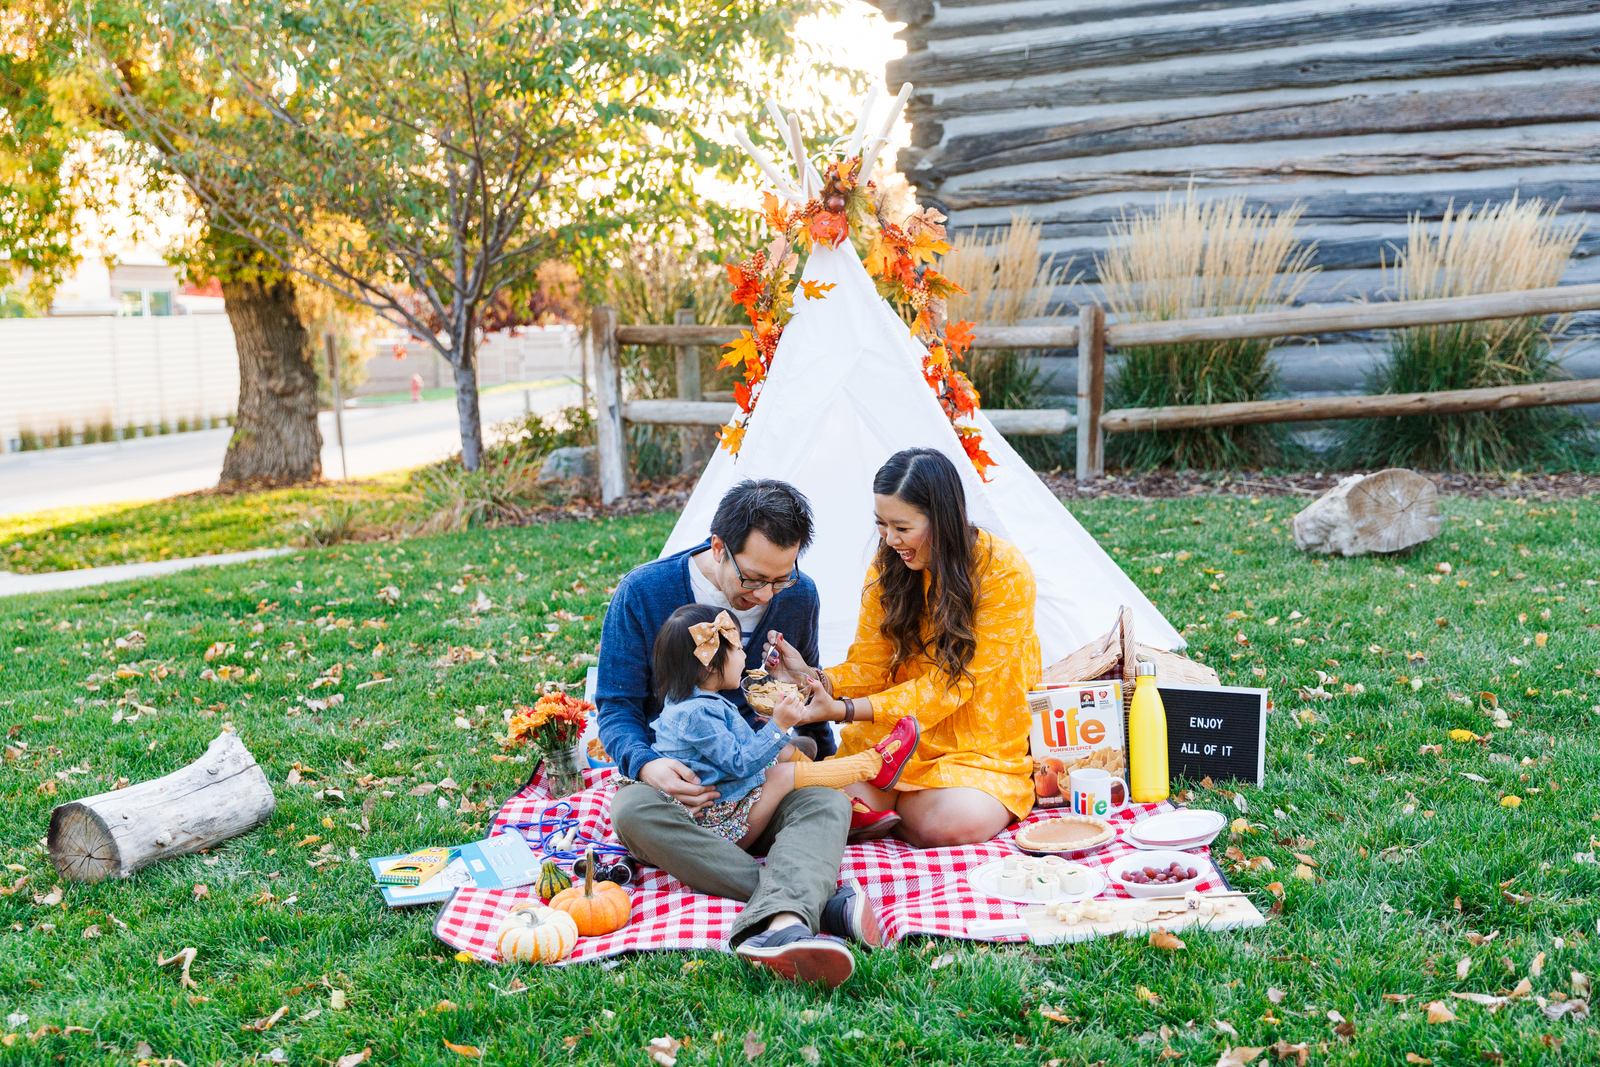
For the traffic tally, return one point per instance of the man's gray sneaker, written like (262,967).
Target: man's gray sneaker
(795,953)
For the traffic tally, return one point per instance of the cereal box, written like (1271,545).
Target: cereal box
(1075,725)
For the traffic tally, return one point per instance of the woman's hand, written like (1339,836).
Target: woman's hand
(822,707)
(787,659)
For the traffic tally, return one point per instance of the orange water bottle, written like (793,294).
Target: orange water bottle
(1147,739)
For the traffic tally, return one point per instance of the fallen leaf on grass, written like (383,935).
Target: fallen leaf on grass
(1463,966)
(1275,995)
(663,1050)
(1224,1026)
(261,1026)
(1421,1061)
(1580,984)
(351,1059)
(810,1055)
(445,1005)
(1523,988)
(1397,998)
(1051,1012)
(1536,968)
(1159,938)
(50,899)
(1439,1012)
(470,1050)
(186,957)
(1276,889)
(1486,1000)
(1238,1057)
(1143,993)
(753,1046)
(1354,760)
(1578,1009)
(1300,1053)
(1469,776)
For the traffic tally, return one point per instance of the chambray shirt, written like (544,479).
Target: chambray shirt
(708,734)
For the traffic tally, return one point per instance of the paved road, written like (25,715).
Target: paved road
(377,439)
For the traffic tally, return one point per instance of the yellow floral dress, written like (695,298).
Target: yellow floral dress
(974,733)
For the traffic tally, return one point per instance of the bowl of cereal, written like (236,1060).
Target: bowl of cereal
(762,690)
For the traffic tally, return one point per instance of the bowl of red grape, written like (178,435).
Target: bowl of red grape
(1158,873)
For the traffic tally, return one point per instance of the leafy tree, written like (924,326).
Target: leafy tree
(423,156)
(57,116)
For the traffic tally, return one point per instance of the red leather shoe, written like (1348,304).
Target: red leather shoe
(869,825)
(896,749)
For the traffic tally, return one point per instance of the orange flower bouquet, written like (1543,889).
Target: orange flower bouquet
(552,727)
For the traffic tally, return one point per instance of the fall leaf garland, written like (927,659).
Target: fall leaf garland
(902,262)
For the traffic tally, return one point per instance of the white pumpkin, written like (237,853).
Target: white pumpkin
(534,933)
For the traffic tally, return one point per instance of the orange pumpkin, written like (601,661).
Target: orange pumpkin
(598,907)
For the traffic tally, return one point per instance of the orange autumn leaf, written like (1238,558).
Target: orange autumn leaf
(777,216)
(958,336)
(816,290)
(741,351)
(878,257)
(828,228)
(963,394)
(463,1050)
(732,436)
(927,248)
(741,396)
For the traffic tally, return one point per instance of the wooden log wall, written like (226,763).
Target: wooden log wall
(1365,112)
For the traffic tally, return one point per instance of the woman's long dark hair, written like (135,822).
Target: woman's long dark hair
(927,480)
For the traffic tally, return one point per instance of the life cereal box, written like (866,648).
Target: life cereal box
(1074,725)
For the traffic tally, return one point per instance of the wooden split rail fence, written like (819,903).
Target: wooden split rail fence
(1091,336)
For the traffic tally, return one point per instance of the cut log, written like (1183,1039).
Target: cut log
(219,796)
(1509,51)
(1383,512)
(981,61)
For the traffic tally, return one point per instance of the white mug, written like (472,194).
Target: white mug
(1097,792)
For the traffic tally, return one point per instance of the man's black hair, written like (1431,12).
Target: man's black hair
(779,510)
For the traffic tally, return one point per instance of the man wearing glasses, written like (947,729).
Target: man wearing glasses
(749,566)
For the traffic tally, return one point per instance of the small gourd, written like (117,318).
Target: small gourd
(597,907)
(534,933)
(552,880)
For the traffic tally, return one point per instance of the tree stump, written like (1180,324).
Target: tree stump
(1382,512)
(219,796)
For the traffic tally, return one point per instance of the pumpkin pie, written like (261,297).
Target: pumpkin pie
(1066,833)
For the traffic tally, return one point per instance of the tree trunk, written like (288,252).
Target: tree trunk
(219,796)
(275,440)
(467,405)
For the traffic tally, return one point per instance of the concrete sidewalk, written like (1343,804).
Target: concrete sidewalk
(19,584)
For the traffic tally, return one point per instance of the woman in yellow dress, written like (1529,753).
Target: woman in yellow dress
(946,634)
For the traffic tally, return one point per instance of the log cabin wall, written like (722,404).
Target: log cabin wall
(1364,111)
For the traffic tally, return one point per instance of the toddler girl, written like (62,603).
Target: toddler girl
(700,652)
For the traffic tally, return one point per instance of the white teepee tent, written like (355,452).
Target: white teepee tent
(844,394)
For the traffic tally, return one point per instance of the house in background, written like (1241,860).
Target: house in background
(1365,112)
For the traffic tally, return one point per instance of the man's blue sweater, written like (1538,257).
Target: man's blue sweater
(644,599)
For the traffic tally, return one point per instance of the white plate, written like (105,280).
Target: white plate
(986,880)
(1184,828)
(1200,842)
(1158,858)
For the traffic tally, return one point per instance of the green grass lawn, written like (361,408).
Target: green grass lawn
(197,524)
(1418,867)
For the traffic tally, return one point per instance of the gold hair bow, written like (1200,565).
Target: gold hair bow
(707,636)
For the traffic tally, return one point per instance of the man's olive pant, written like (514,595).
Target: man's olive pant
(803,843)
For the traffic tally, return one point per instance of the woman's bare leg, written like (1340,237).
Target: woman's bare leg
(779,784)
(960,815)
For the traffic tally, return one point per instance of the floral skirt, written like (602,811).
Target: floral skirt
(729,818)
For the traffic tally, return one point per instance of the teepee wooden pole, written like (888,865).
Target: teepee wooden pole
(1091,390)
(611,441)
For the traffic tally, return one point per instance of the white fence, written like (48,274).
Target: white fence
(71,373)
(532,354)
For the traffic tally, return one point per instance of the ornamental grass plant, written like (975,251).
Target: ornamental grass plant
(1008,283)
(1499,248)
(1187,259)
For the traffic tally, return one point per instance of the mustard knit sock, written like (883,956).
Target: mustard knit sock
(839,770)
(795,756)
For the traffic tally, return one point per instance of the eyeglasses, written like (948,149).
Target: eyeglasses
(778,584)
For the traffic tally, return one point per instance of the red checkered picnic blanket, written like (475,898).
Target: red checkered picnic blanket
(913,891)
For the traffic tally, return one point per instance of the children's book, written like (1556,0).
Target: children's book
(499,862)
